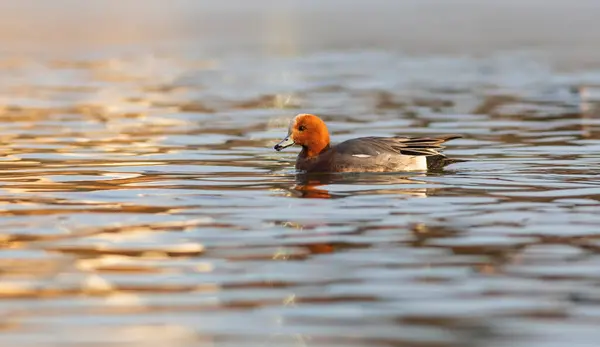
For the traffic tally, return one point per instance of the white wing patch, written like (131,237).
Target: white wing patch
(361,155)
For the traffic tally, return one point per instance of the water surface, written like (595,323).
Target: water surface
(142,203)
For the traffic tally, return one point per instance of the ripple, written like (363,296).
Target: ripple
(142,203)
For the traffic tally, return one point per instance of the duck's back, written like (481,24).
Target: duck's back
(377,154)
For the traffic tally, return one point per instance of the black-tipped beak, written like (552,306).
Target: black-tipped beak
(285,143)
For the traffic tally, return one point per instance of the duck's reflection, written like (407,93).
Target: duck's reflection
(322,186)
(311,187)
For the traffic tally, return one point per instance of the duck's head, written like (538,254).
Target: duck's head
(308,131)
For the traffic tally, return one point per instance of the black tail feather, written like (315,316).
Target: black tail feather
(438,162)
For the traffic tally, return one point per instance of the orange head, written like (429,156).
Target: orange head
(308,131)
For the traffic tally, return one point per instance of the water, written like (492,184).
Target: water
(142,203)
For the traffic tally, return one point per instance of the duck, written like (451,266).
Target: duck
(363,154)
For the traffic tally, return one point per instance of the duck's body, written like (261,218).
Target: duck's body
(365,154)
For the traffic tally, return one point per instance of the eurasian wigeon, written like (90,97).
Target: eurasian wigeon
(364,154)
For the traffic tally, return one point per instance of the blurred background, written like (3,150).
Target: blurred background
(564,30)
(142,203)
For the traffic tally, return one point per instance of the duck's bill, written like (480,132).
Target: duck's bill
(285,143)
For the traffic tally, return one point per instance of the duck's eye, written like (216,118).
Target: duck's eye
(302,128)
